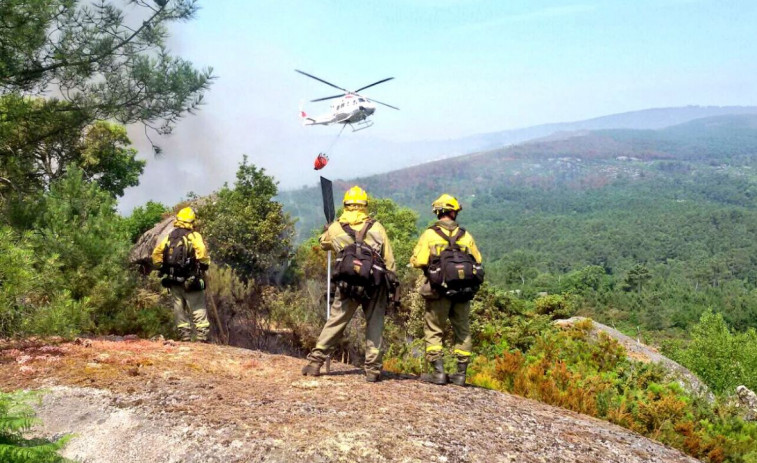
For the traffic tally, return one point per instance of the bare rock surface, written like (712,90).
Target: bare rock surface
(136,401)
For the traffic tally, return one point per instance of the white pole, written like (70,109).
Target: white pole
(328,286)
(328,301)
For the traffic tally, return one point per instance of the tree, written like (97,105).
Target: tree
(719,357)
(637,276)
(36,150)
(586,280)
(520,266)
(68,274)
(245,228)
(78,223)
(102,63)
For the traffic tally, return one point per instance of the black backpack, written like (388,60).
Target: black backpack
(455,273)
(179,261)
(358,269)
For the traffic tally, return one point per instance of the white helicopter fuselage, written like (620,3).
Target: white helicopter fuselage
(349,109)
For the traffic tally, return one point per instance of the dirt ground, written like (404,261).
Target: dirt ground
(139,401)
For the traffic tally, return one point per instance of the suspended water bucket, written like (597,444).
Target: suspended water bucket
(320,161)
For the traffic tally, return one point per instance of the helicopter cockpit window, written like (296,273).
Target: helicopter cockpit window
(362,100)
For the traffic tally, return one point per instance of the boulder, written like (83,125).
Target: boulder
(141,253)
(748,400)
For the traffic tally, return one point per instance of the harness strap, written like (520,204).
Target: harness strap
(359,237)
(451,239)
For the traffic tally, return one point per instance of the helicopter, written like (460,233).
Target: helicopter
(351,109)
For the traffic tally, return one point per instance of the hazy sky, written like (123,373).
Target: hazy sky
(461,67)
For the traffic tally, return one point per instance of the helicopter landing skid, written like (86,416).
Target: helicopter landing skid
(362,125)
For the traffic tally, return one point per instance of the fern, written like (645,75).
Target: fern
(16,417)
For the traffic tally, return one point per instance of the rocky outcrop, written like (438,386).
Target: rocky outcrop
(135,401)
(141,253)
(647,354)
(748,401)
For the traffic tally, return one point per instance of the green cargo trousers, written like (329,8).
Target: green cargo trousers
(342,311)
(437,312)
(189,313)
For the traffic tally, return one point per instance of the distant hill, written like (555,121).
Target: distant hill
(395,155)
(656,118)
(582,159)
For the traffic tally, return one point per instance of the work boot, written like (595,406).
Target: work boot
(459,377)
(438,376)
(312,369)
(372,376)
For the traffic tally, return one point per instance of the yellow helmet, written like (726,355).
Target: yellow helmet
(445,202)
(355,195)
(186,215)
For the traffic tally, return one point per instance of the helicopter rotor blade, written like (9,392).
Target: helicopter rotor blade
(328,98)
(375,83)
(376,101)
(320,80)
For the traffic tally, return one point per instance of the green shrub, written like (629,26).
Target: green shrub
(555,306)
(722,359)
(143,218)
(17,417)
(65,272)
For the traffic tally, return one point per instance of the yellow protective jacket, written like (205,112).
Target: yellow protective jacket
(335,238)
(201,252)
(431,244)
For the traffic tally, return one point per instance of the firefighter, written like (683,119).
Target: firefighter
(182,260)
(451,263)
(364,256)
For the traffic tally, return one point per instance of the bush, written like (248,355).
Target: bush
(17,278)
(66,272)
(722,359)
(555,306)
(518,350)
(17,417)
(568,369)
(143,218)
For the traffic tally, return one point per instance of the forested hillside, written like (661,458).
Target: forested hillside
(651,227)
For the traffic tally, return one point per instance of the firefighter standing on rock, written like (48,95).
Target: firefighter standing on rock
(363,267)
(451,263)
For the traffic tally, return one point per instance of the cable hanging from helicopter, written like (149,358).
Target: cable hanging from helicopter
(322,159)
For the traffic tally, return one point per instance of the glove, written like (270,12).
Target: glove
(204,267)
